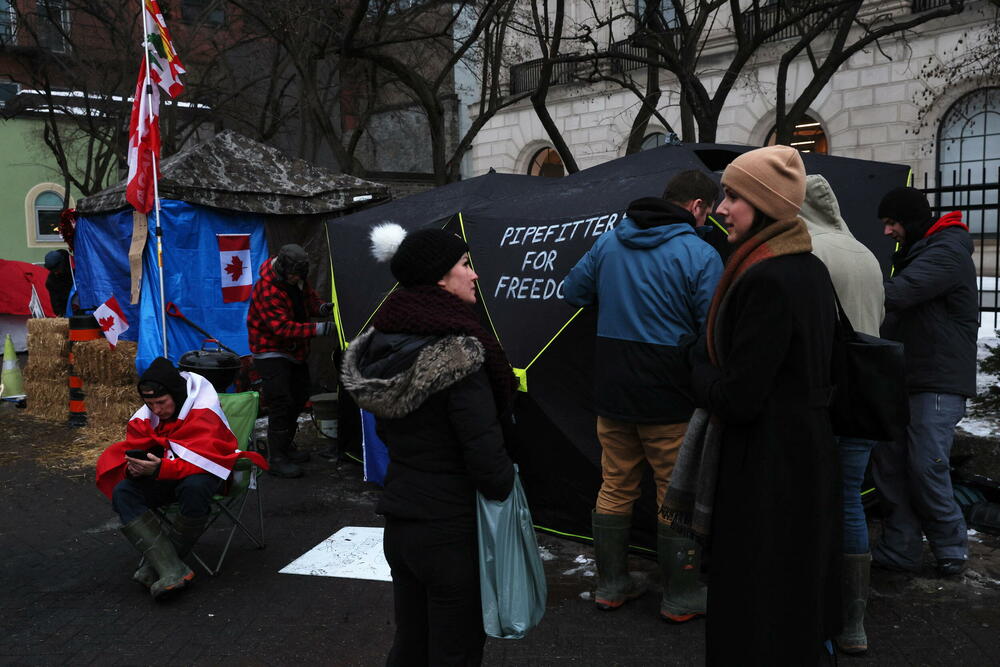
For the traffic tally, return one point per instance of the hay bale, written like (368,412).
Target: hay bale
(110,407)
(48,348)
(47,399)
(95,438)
(99,365)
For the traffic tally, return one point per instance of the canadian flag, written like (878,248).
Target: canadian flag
(113,323)
(234,265)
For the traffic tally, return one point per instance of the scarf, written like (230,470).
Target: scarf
(429,310)
(687,507)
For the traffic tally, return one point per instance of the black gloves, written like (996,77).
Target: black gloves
(325,329)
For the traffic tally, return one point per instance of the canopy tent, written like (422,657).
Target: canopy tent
(22,295)
(524,235)
(227,185)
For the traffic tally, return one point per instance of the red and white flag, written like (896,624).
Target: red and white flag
(234,267)
(111,319)
(165,69)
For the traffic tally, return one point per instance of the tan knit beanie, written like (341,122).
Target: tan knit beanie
(773,179)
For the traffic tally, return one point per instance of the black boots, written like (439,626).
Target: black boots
(857,571)
(615,586)
(146,535)
(279,453)
(684,596)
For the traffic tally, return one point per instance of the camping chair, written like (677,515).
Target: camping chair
(241,412)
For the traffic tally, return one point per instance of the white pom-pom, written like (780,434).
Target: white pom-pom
(385,239)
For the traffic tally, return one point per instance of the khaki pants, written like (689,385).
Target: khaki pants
(625,447)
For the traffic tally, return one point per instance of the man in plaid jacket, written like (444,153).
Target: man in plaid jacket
(279,329)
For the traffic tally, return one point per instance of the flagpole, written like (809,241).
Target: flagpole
(148,92)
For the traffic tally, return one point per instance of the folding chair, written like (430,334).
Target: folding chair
(241,412)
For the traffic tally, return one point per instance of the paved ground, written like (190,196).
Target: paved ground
(67,598)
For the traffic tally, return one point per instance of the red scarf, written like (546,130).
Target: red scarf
(953,219)
(429,310)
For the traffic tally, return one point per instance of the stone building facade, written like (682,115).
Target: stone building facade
(871,109)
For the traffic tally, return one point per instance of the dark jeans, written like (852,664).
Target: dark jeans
(134,497)
(286,390)
(914,480)
(435,585)
(854,455)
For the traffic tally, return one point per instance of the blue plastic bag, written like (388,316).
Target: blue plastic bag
(511,578)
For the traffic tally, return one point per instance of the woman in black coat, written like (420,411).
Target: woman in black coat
(437,384)
(773,591)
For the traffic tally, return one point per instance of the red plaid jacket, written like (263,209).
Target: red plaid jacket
(271,322)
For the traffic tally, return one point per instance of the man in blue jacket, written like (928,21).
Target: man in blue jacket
(652,280)
(932,308)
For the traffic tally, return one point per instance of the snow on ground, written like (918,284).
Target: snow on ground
(984,426)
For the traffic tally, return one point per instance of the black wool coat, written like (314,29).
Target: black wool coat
(435,412)
(773,595)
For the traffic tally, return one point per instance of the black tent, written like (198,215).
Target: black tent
(524,235)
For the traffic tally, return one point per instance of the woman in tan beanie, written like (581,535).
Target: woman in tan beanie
(764,376)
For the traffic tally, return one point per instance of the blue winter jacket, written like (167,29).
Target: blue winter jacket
(652,279)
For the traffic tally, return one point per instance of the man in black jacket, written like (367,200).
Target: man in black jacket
(931,307)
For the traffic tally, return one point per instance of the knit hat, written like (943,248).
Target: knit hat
(772,179)
(292,258)
(909,207)
(54,258)
(160,379)
(421,257)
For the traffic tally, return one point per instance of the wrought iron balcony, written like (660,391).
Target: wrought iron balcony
(925,5)
(525,76)
(766,18)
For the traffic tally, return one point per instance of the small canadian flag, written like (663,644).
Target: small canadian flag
(234,264)
(113,323)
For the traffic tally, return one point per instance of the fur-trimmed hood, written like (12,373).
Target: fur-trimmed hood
(437,365)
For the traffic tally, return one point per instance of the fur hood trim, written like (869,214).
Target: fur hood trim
(438,366)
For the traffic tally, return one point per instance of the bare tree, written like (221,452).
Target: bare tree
(851,32)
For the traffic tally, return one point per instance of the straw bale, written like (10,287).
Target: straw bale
(47,399)
(48,348)
(110,406)
(94,439)
(99,365)
(49,325)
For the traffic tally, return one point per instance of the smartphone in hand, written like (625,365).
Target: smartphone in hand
(136,454)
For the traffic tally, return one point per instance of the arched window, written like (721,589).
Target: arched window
(968,153)
(653,140)
(547,163)
(48,204)
(808,137)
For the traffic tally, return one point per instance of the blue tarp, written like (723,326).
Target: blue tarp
(191,275)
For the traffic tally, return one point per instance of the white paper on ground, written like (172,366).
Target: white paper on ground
(353,552)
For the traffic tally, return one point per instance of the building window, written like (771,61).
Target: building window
(968,153)
(208,12)
(547,163)
(53,25)
(653,140)
(667,12)
(6,23)
(808,137)
(48,204)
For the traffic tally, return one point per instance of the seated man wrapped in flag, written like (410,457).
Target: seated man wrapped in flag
(178,448)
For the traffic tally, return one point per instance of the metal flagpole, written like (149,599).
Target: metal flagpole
(148,92)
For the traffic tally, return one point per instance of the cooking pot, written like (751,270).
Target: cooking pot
(216,365)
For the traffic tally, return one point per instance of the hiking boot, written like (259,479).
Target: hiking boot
(949,567)
(856,575)
(278,447)
(684,596)
(615,586)
(147,536)
(296,455)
